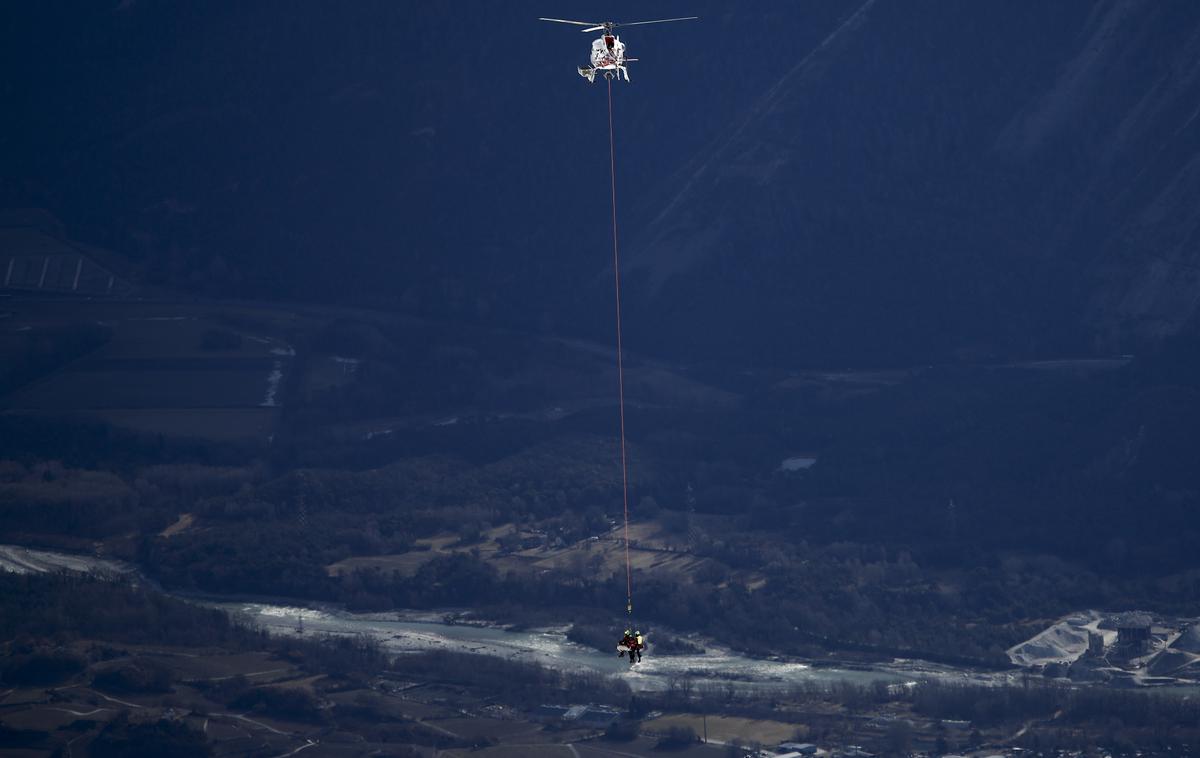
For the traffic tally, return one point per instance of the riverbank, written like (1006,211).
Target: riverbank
(403,632)
(413,632)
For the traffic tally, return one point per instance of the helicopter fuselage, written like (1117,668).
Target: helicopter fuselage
(608,52)
(608,55)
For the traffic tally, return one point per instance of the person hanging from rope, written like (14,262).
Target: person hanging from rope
(628,644)
(633,643)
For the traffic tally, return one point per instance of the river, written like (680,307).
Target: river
(408,632)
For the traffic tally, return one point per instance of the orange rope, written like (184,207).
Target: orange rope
(612,154)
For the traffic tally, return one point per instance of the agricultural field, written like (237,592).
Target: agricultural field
(647,747)
(648,552)
(177,370)
(215,424)
(75,712)
(641,747)
(324,712)
(601,554)
(223,371)
(725,729)
(428,548)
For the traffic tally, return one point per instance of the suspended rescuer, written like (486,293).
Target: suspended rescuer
(632,643)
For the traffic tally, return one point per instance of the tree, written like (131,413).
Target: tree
(623,730)
(677,737)
(675,522)
(121,738)
(899,737)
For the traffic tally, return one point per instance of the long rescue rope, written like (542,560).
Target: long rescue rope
(612,155)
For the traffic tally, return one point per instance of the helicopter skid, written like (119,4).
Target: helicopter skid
(589,72)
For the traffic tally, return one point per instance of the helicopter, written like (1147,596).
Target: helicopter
(608,51)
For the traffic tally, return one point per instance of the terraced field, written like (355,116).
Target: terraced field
(178,370)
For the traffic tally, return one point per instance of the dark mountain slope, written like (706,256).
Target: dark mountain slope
(839,181)
(942,179)
(444,159)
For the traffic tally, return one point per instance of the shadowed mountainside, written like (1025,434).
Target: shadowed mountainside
(933,178)
(856,182)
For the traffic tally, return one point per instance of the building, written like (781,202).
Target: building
(593,716)
(596,716)
(547,713)
(35,255)
(1133,632)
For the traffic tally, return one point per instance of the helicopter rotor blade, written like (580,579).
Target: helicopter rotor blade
(568,21)
(594,29)
(659,21)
